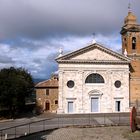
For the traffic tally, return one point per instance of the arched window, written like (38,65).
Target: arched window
(94,78)
(133,43)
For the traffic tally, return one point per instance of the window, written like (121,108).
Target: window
(133,43)
(117,84)
(94,78)
(118,106)
(70,84)
(47,92)
(56,102)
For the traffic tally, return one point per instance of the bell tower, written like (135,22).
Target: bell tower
(130,33)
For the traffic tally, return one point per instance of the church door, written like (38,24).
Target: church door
(95,104)
(70,107)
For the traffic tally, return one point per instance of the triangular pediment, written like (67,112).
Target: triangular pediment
(93,53)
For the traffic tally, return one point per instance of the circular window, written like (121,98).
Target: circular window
(70,84)
(117,84)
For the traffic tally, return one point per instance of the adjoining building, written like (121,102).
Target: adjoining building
(131,44)
(97,79)
(47,95)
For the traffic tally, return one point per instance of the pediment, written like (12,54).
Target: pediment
(93,53)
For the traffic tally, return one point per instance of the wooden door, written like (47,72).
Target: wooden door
(47,108)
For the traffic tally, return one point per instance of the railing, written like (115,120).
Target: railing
(60,121)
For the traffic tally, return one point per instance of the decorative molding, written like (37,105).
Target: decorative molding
(91,47)
(116,98)
(93,62)
(71,98)
(95,93)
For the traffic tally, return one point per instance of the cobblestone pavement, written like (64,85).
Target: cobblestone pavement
(98,133)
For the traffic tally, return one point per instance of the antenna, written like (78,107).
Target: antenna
(129,6)
(93,41)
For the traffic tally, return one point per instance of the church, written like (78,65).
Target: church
(95,79)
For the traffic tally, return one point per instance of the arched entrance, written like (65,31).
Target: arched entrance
(47,106)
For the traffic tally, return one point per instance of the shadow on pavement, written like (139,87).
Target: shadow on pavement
(37,136)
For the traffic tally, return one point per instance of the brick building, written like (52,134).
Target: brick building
(47,94)
(131,46)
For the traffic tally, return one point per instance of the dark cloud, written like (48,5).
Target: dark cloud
(37,60)
(38,19)
(5,60)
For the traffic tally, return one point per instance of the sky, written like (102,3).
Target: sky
(33,31)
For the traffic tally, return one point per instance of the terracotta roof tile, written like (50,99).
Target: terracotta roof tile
(48,83)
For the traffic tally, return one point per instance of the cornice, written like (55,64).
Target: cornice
(130,28)
(134,55)
(92,62)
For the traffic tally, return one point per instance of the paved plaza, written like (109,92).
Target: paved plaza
(98,133)
(24,126)
(67,127)
(95,133)
(71,127)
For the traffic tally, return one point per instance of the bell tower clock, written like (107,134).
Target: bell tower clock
(130,33)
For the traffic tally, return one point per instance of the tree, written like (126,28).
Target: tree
(16,84)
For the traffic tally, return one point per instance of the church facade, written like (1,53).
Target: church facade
(95,79)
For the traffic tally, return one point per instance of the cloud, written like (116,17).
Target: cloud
(33,31)
(38,19)
(41,61)
(6,59)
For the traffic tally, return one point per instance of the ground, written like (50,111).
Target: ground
(98,133)
(70,127)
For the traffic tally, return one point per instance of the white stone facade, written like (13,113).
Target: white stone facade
(82,97)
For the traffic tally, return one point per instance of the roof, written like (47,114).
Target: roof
(130,24)
(130,18)
(67,58)
(51,83)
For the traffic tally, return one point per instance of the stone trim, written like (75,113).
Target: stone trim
(131,28)
(71,99)
(117,98)
(93,61)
